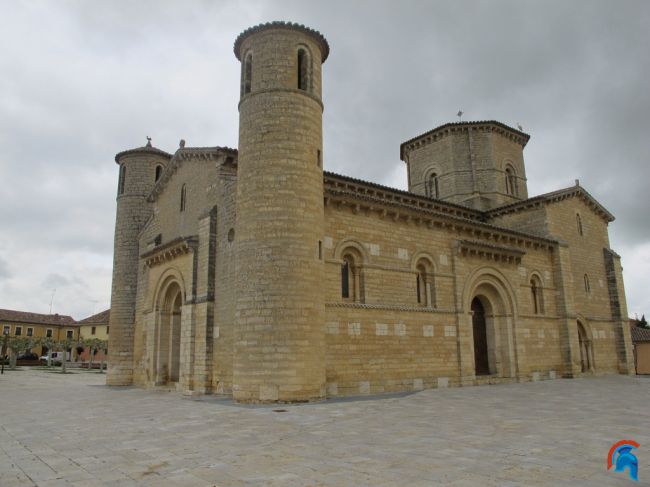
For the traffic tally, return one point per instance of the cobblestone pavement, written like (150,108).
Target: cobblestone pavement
(71,430)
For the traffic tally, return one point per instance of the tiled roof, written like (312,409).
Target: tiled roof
(520,136)
(398,197)
(10,315)
(101,318)
(639,334)
(147,149)
(553,196)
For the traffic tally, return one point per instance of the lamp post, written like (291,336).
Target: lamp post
(4,350)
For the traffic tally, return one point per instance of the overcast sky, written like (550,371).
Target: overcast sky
(83,80)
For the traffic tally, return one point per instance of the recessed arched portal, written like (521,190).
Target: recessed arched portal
(586,351)
(168,335)
(491,347)
(479,330)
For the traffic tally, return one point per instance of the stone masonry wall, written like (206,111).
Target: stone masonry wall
(592,307)
(470,164)
(389,342)
(279,341)
(132,213)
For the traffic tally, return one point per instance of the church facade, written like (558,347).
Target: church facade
(253,272)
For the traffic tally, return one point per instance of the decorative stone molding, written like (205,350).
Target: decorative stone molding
(490,252)
(553,197)
(170,250)
(444,130)
(344,184)
(388,307)
(361,197)
(278,24)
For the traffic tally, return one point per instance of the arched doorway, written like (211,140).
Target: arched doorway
(489,347)
(586,353)
(168,336)
(479,329)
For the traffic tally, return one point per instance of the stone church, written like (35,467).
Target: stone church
(254,273)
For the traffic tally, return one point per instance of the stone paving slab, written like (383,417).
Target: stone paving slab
(71,430)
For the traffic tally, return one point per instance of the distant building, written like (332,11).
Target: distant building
(641,344)
(94,327)
(253,272)
(36,325)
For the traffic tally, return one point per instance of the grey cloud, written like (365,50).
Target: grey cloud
(5,272)
(54,281)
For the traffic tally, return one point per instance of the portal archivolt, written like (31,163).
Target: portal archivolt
(168,334)
(492,313)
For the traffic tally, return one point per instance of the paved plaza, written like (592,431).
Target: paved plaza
(71,430)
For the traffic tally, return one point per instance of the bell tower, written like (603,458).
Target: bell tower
(140,168)
(476,164)
(279,336)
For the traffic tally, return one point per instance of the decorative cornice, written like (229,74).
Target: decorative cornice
(407,207)
(390,307)
(205,153)
(489,251)
(347,183)
(278,24)
(553,197)
(170,250)
(444,130)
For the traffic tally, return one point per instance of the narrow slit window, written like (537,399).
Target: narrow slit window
(120,186)
(247,74)
(587,285)
(579,224)
(303,70)
(158,172)
(511,182)
(183,197)
(345,279)
(432,186)
(424,284)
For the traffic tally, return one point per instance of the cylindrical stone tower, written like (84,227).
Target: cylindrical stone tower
(279,337)
(139,170)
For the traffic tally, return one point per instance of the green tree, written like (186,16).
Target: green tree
(104,349)
(643,323)
(95,345)
(17,345)
(64,345)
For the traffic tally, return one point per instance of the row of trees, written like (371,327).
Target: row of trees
(13,346)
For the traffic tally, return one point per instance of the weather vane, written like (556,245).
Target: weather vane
(460,115)
(148,141)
